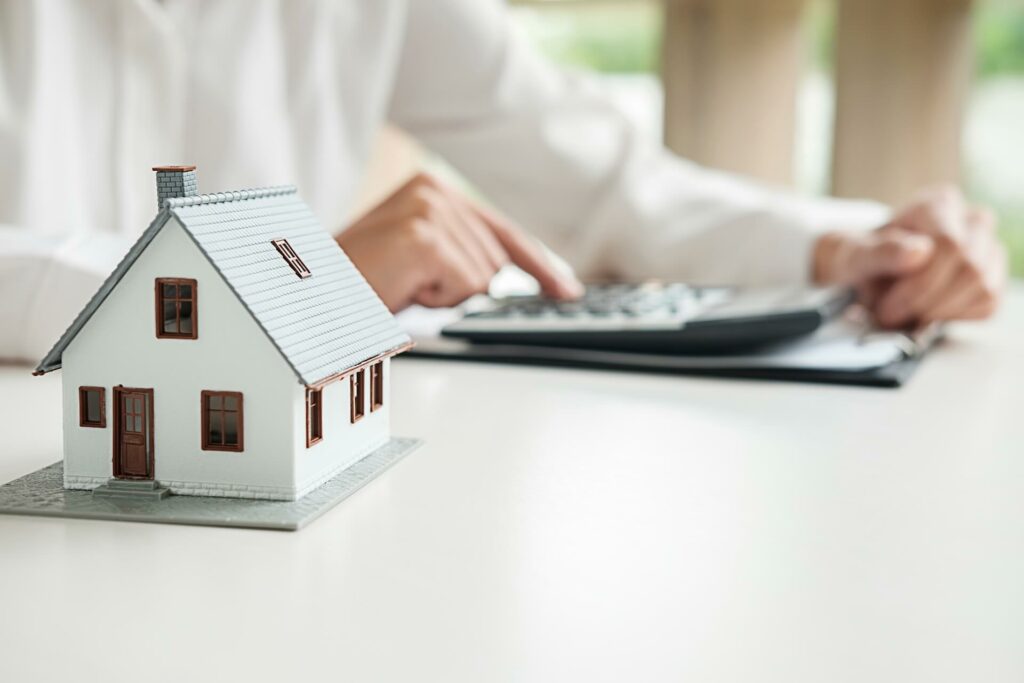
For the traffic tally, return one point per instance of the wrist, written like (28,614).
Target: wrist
(826,257)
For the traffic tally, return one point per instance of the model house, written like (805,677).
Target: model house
(235,351)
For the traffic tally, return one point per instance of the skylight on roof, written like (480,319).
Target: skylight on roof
(291,258)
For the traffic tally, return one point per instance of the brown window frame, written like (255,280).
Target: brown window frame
(357,395)
(83,420)
(377,386)
(291,257)
(314,403)
(159,305)
(204,398)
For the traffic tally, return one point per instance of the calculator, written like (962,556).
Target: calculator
(655,317)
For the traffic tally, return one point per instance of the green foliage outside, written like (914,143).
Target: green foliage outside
(999,35)
(612,37)
(625,37)
(1012,230)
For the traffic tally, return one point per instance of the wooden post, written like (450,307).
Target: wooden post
(903,71)
(731,70)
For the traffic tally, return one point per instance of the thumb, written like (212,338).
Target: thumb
(891,253)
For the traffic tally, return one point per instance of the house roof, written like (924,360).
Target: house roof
(323,325)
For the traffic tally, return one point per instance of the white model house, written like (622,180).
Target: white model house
(234,351)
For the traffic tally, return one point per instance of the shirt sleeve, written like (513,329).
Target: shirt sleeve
(46,281)
(547,147)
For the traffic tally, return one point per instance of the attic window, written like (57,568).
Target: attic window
(291,257)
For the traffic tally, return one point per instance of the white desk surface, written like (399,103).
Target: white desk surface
(576,526)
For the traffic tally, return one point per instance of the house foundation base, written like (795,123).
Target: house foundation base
(42,493)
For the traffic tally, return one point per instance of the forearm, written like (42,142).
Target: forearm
(666,218)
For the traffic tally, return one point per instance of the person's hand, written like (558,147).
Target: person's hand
(937,259)
(427,244)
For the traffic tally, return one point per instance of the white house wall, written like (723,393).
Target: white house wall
(118,346)
(343,443)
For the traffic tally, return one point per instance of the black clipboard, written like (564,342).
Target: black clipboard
(908,353)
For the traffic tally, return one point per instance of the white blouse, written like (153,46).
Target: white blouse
(93,93)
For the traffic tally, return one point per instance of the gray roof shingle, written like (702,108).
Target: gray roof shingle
(323,325)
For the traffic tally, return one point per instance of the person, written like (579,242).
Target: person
(266,92)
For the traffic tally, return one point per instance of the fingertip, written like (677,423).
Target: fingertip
(572,289)
(559,285)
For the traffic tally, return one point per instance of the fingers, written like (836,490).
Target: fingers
(454,277)
(463,242)
(963,296)
(454,261)
(892,254)
(479,244)
(963,280)
(908,299)
(528,255)
(860,258)
(418,245)
(428,244)
(480,239)
(936,211)
(978,288)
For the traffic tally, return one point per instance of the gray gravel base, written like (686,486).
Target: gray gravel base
(42,494)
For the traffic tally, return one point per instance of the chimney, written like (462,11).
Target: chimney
(174,181)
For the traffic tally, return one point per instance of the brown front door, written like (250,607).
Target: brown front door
(133,433)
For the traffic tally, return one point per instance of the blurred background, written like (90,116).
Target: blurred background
(860,98)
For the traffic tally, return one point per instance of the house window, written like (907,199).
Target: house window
(358,381)
(222,421)
(92,407)
(176,312)
(314,416)
(376,386)
(291,257)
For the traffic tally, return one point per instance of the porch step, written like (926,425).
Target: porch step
(149,489)
(133,484)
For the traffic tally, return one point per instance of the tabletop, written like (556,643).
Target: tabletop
(563,525)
